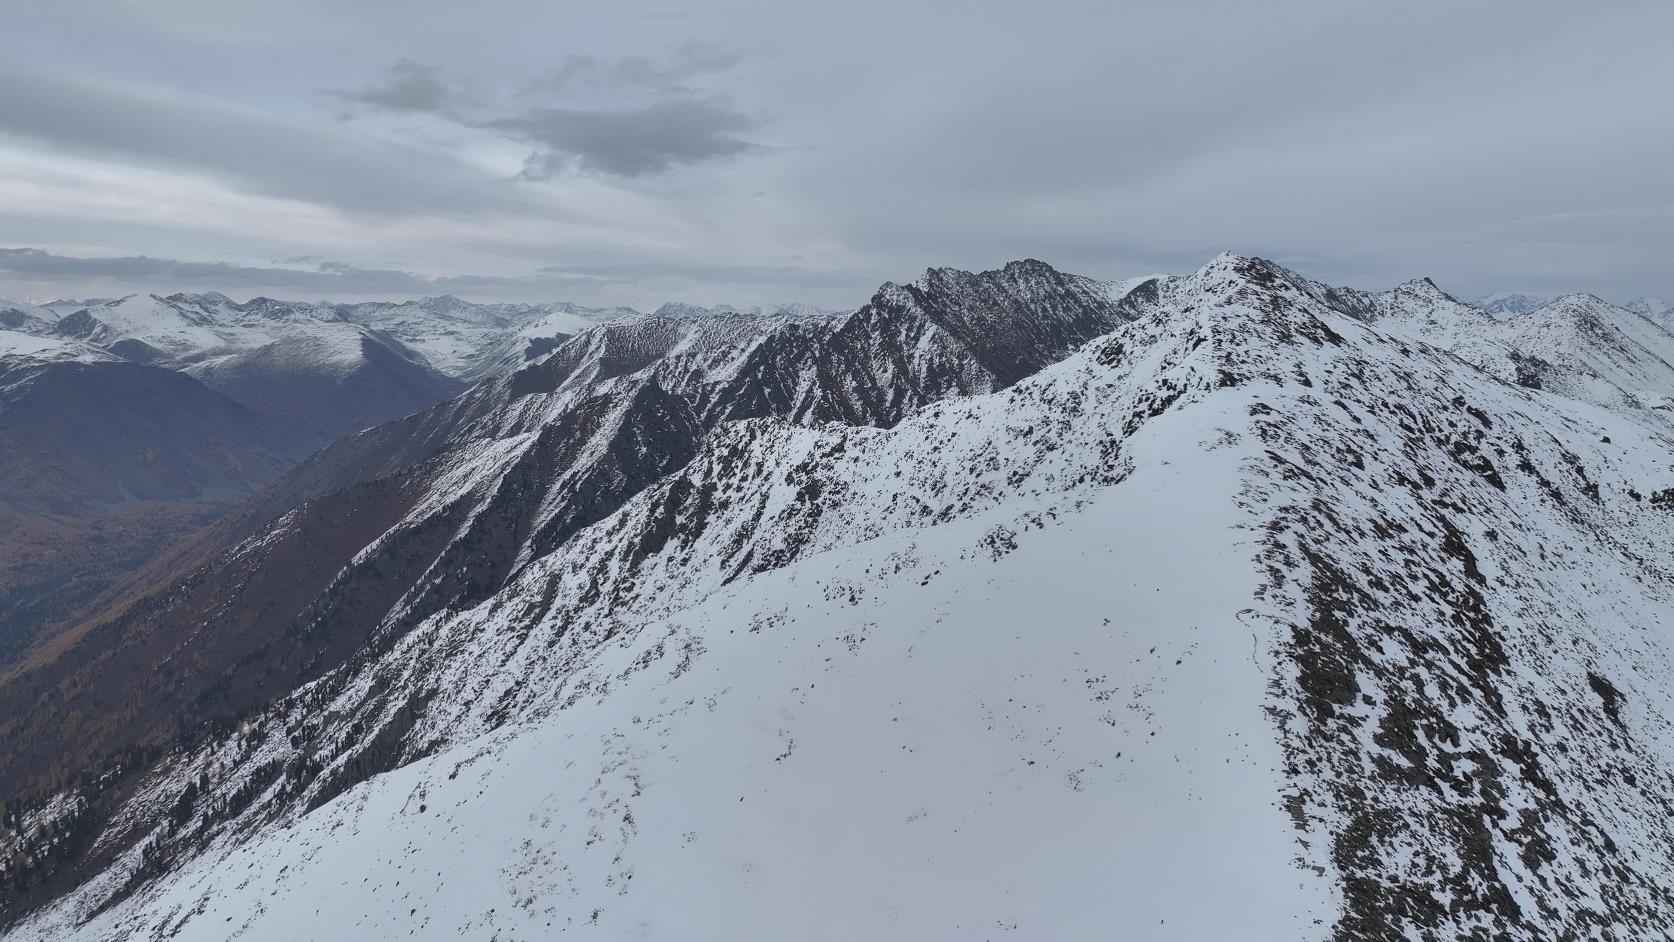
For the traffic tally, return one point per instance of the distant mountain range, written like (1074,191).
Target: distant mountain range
(126,423)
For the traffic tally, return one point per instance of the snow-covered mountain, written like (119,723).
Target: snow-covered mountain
(1008,604)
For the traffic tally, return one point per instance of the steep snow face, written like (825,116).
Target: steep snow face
(1248,601)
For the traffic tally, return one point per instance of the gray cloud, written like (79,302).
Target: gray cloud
(628,143)
(676,126)
(409,86)
(613,73)
(247,149)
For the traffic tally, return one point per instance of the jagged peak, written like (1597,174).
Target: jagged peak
(1425,287)
(1014,270)
(1029,266)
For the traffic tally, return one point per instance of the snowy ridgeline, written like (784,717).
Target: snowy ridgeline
(457,339)
(1256,618)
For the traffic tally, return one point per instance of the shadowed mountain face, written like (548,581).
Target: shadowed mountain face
(324,391)
(104,463)
(76,436)
(999,588)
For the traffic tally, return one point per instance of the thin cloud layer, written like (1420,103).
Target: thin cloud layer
(250,149)
(1494,145)
(614,73)
(312,276)
(675,126)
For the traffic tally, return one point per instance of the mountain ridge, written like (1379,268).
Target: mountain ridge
(1424,604)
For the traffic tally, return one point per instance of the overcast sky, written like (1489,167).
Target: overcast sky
(751,152)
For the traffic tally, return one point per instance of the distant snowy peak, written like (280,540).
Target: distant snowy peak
(177,326)
(463,340)
(1511,304)
(25,317)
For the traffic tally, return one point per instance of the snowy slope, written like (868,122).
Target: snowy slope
(1248,602)
(15,343)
